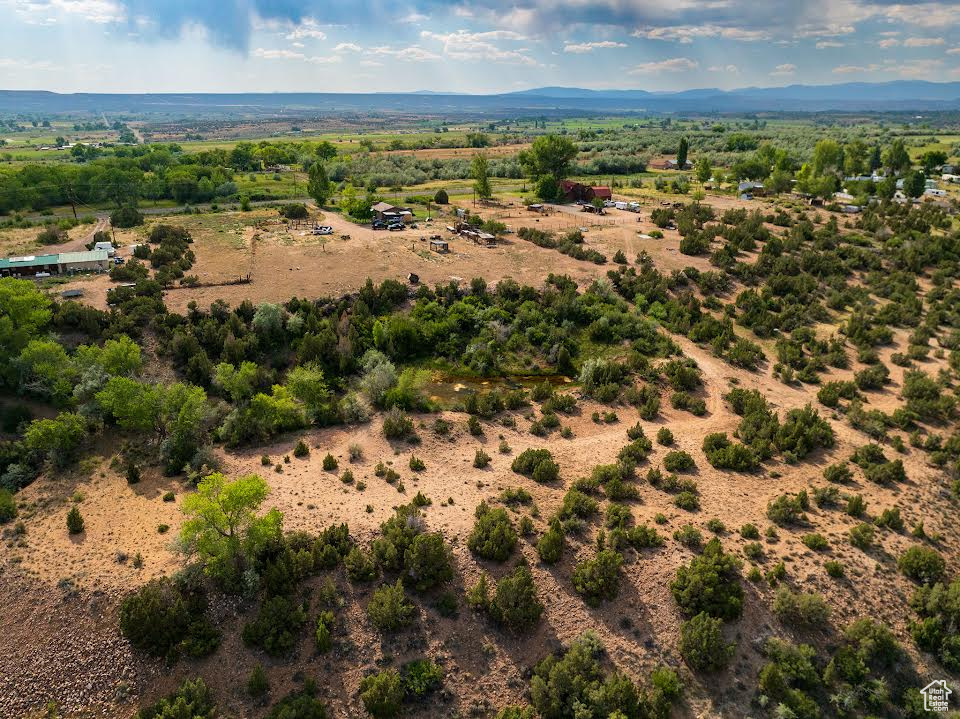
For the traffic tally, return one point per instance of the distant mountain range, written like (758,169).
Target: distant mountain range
(899,96)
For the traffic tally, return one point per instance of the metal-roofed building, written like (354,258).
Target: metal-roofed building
(90,261)
(28,265)
(62,263)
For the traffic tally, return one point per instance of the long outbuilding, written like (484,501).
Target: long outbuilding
(63,263)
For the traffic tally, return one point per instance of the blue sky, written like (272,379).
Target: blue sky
(479,46)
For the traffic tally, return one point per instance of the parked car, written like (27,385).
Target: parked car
(323,230)
(394,226)
(379,225)
(118,260)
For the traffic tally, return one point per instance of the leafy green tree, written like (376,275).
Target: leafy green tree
(318,184)
(308,384)
(118,357)
(682,152)
(914,183)
(479,171)
(47,371)
(549,156)
(24,314)
(827,157)
(704,170)
(57,439)
(222,526)
(238,382)
(896,159)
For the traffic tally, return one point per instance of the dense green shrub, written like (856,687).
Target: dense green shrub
(164,619)
(801,609)
(815,541)
(75,523)
(515,604)
(839,473)
(536,463)
(398,534)
(427,562)
(493,536)
(277,626)
(389,609)
(724,454)
(550,546)
(787,509)
(360,565)
(678,461)
(192,700)
(396,425)
(302,704)
(702,644)
(382,694)
(861,536)
(598,579)
(922,564)
(803,430)
(8,506)
(710,583)
(258,685)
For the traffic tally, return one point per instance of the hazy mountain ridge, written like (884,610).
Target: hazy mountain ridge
(903,95)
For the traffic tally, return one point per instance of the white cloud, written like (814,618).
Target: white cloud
(463,45)
(932,15)
(414,18)
(953,51)
(731,69)
(688,33)
(674,64)
(45,11)
(923,41)
(585,47)
(307,29)
(347,47)
(273,54)
(413,53)
(784,70)
(823,44)
(918,68)
(278,54)
(853,69)
(889,42)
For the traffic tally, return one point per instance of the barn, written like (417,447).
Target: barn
(578,192)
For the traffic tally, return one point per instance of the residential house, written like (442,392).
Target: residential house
(669,163)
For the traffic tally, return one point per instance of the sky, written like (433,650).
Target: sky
(483,46)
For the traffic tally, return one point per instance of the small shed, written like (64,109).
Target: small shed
(439,246)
